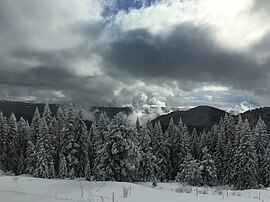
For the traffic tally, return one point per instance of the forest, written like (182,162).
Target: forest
(230,153)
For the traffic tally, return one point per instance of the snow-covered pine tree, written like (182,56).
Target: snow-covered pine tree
(229,127)
(246,165)
(208,170)
(35,126)
(91,149)
(228,164)
(3,141)
(46,138)
(218,156)
(184,148)
(161,151)
(69,148)
(63,173)
(23,134)
(235,145)
(171,135)
(41,161)
(203,142)
(81,144)
(194,144)
(12,145)
(51,136)
(261,139)
(30,159)
(265,169)
(47,115)
(58,135)
(190,172)
(120,153)
(148,161)
(99,138)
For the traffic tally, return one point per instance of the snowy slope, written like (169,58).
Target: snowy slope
(29,189)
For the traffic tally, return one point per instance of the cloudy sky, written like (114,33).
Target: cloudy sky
(172,53)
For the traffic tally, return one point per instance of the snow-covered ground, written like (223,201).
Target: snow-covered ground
(29,189)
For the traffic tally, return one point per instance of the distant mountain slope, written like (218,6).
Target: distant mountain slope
(23,109)
(201,117)
(254,115)
(26,110)
(204,117)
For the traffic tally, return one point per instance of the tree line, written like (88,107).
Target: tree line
(231,153)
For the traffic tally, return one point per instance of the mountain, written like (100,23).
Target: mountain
(253,116)
(204,117)
(23,109)
(201,117)
(26,110)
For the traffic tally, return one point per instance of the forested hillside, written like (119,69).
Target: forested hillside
(229,153)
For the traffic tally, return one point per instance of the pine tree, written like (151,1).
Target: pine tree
(265,169)
(3,141)
(194,144)
(190,172)
(30,160)
(208,171)
(219,155)
(41,167)
(23,134)
(120,155)
(260,143)
(35,126)
(81,142)
(12,157)
(184,148)
(100,138)
(46,138)
(58,135)
(63,167)
(246,167)
(228,160)
(69,147)
(161,151)
(147,163)
(91,149)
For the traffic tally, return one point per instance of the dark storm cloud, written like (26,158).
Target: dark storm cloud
(261,5)
(188,54)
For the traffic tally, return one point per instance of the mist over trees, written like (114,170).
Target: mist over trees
(230,153)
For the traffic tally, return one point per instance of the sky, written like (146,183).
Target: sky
(142,53)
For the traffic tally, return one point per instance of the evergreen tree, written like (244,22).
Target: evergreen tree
(120,155)
(219,155)
(23,134)
(12,157)
(161,151)
(260,143)
(147,162)
(81,142)
(91,149)
(41,167)
(184,148)
(190,172)
(63,167)
(3,141)
(194,144)
(58,135)
(35,127)
(265,169)
(30,160)
(246,167)
(69,147)
(99,139)
(208,171)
